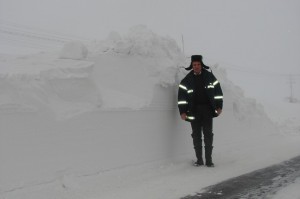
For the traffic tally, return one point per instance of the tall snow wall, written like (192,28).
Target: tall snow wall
(115,108)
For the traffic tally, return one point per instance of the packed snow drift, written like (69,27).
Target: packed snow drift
(100,120)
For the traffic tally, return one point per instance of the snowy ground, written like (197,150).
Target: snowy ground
(290,192)
(260,184)
(106,125)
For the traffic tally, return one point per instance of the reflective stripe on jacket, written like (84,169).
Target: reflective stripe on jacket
(186,93)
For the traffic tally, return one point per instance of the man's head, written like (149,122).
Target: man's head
(197,67)
(197,64)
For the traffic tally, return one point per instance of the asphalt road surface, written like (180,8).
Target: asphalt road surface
(260,184)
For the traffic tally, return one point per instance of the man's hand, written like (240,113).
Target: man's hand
(219,111)
(183,116)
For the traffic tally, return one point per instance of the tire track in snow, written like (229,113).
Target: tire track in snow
(259,184)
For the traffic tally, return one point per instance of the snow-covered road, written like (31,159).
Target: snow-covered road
(260,184)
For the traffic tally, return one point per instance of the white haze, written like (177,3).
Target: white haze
(105,124)
(256,34)
(257,41)
(249,36)
(253,43)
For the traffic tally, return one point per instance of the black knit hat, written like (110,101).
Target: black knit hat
(196,58)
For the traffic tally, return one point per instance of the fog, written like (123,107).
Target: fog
(262,35)
(98,117)
(256,38)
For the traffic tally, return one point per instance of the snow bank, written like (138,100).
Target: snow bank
(116,109)
(74,50)
(159,56)
(138,41)
(115,103)
(125,69)
(43,83)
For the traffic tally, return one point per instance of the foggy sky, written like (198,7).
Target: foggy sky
(259,34)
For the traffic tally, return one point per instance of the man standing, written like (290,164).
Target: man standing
(200,98)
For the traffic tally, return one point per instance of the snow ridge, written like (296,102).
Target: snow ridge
(118,106)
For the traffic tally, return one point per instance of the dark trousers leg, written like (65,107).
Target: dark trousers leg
(208,132)
(208,140)
(197,140)
(203,126)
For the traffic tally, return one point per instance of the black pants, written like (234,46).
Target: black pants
(203,125)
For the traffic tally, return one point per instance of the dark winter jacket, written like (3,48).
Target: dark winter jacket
(186,89)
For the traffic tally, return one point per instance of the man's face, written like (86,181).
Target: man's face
(196,66)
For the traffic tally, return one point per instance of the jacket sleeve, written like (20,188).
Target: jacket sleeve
(218,94)
(182,98)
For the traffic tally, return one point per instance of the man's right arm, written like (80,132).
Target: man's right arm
(182,100)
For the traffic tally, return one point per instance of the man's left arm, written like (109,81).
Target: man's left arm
(218,95)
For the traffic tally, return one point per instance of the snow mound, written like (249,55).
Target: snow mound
(119,72)
(126,69)
(82,123)
(243,108)
(116,107)
(159,55)
(74,50)
(138,41)
(43,83)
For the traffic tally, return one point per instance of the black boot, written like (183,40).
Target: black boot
(208,153)
(199,161)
